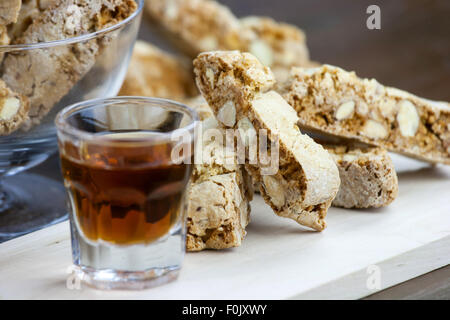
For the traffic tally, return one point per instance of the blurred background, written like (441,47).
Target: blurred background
(411,51)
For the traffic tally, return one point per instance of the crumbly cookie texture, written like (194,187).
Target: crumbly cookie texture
(13,109)
(29,11)
(196,25)
(334,101)
(154,73)
(218,213)
(9,11)
(219,194)
(367,174)
(279,46)
(64,65)
(238,89)
(368,177)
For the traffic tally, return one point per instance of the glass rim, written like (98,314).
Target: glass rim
(64,127)
(72,40)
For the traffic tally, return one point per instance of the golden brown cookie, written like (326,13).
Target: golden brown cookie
(238,89)
(154,73)
(334,101)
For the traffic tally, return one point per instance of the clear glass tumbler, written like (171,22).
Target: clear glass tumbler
(126,163)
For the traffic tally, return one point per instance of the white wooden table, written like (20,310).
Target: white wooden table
(279,259)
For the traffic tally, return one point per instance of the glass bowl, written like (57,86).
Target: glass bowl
(29,202)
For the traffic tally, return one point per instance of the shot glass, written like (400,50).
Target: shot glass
(126,163)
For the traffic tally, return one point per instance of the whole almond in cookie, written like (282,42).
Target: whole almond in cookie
(331,100)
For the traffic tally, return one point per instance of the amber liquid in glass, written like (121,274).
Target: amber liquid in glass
(124,195)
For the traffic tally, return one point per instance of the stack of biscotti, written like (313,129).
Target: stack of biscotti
(219,194)
(303,180)
(333,101)
(245,97)
(36,21)
(196,26)
(369,166)
(205,25)
(367,174)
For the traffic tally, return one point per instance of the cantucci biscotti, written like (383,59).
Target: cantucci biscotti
(331,100)
(218,200)
(238,89)
(368,177)
(195,26)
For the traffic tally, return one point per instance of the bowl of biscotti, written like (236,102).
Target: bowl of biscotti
(333,129)
(54,53)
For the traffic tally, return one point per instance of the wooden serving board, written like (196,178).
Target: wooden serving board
(279,259)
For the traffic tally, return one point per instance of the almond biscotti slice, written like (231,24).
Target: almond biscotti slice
(196,25)
(220,192)
(238,89)
(334,101)
(64,65)
(154,73)
(9,11)
(277,45)
(13,109)
(218,212)
(368,177)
